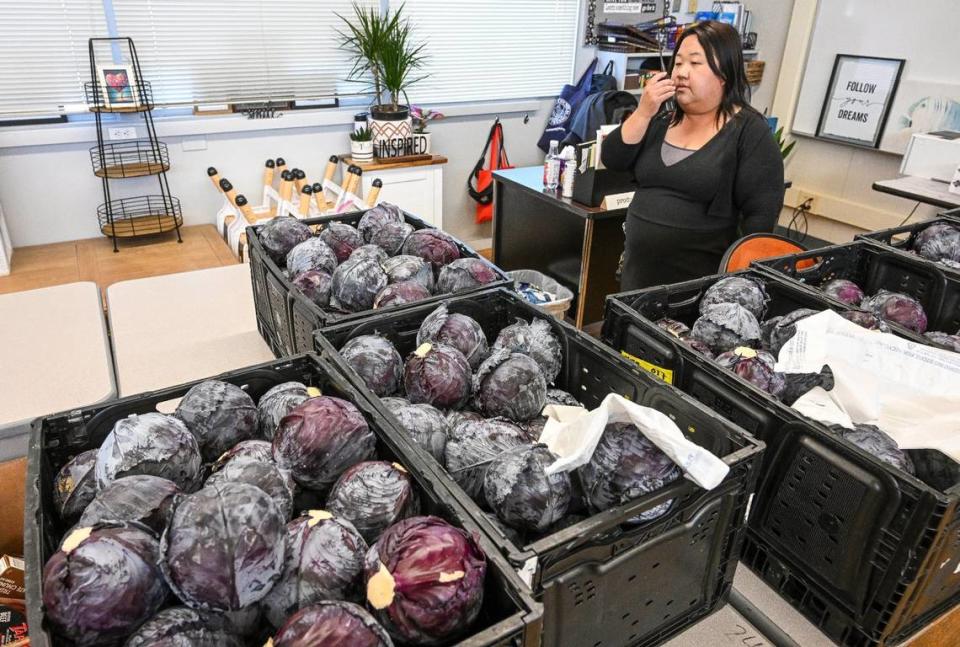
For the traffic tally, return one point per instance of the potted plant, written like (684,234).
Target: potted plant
(361,146)
(420,120)
(386,59)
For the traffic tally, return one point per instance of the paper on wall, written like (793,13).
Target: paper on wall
(908,390)
(573,433)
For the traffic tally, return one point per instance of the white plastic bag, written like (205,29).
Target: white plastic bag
(908,390)
(573,433)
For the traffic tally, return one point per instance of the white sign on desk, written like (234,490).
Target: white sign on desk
(617,201)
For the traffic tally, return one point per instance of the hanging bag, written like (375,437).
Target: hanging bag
(480,182)
(571,96)
(603,81)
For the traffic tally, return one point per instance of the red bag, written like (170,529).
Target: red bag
(483,191)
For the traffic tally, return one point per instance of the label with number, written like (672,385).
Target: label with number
(664,374)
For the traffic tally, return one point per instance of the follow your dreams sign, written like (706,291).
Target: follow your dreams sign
(858,99)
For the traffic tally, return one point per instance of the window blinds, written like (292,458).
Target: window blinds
(226,51)
(495,49)
(43,49)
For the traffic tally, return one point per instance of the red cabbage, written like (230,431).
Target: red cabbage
(376,361)
(375,218)
(323,561)
(409,268)
(425,580)
(537,341)
(142,498)
(320,439)
(315,285)
(280,235)
(457,330)
(432,245)
(150,443)
(220,415)
(465,274)
(185,627)
(390,236)
(624,466)
(103,583)
(372,496)
(75,486)
(741,290)
(332,624)
(342,239)
(510,385)
(898,309)
(437,374)
(756,367)
(356,283)
(473,444)
(521,494)
(276,403)
(223,549)
(844,291)
(399,293)
(938,242)
(311,254)
(724,326)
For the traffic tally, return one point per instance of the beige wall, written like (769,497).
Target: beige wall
(838,178)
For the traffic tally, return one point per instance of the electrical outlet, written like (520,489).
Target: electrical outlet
(123,133)
(194,143)
(807,199)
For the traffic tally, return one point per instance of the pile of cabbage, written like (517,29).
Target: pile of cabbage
(473,400)
(893,307)
(381,262)
(231,522)
(940,243)
(733,330)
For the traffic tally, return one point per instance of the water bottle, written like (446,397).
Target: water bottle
(569,158)
(551,167)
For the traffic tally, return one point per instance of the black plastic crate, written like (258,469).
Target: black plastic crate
(901,239)
(874,268)
(866,552)
(295,317)
(599,583)
(509,616)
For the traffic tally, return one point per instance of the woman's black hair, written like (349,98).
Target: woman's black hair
(721,43)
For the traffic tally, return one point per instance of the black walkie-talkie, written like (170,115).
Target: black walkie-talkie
(669,105)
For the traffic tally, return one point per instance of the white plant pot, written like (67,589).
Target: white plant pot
(391,133)
(361,152)
(421,143)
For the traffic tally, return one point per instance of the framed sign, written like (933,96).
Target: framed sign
(118,86)
(858,99)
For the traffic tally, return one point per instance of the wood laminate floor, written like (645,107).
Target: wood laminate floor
(93,259)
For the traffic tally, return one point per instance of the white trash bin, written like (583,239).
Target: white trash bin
(562,295)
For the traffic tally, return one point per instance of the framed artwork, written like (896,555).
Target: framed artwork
(858,100)
(119,86)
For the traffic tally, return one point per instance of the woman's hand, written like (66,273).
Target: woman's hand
(656,90)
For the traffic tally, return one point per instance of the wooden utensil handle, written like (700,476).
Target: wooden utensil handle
(374,194)
(305,194)
(246,209)
(268,171)
(331,169)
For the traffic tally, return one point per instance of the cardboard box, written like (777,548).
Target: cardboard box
(13,480)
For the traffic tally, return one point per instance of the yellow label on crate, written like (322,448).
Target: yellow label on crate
(663,373)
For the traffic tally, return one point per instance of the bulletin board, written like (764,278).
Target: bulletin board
(925,34)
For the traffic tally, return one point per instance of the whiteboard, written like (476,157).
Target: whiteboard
(926,34)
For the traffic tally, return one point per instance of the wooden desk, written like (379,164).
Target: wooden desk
(919,189)
(577,245)
(181,327)
(54,355)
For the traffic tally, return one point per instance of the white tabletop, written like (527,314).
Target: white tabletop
(54,352)
(172,329)
(920,189)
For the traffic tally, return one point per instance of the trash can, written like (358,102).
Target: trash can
(562,296)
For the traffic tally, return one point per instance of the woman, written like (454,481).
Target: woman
(707,172)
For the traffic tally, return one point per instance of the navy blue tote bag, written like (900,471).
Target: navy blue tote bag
(558,125)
